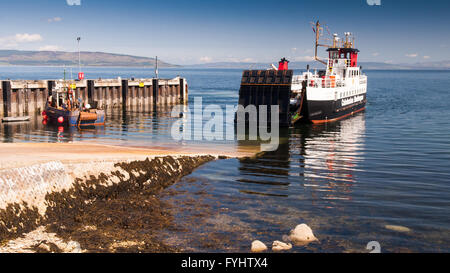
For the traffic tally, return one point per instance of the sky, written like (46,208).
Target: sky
(202,31)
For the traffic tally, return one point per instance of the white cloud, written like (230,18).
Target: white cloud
(54,19)
(49,48)
(304,58)
(247,60)
(205,59)
(426,57)
(27,38)
(412,55)
(375,54)
(20,38)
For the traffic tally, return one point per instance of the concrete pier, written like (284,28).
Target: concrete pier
(24,97)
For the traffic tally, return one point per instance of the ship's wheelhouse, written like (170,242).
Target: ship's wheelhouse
(340,59)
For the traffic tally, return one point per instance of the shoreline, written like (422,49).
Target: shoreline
(16,155)
(83,197)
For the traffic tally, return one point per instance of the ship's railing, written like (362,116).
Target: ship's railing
(324,82)
(363,80)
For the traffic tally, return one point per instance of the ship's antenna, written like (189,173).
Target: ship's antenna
(317,31)
(156,67)
(79,55)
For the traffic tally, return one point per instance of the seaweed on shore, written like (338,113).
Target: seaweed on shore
(115,217)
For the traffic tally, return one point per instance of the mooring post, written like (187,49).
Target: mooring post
(20,101)
(104,96)
(124,94)
(85,94)
(163,94)
(38,100)
(134,101)
(49,91)
(114,96)
(155,85)
(33,101)
(182,98)
(118,95)
(145,97)
(141,98)
(2,110)
(29,105)
(7,96)
(178,93)
(150,94)
(110,96)
(172,94)
(90,91)
(98,96)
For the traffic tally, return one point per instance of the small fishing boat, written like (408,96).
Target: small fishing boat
(15,119)
(65,109)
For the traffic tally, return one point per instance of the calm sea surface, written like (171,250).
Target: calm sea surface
(347,180)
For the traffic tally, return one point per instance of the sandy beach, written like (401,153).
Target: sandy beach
(15,155)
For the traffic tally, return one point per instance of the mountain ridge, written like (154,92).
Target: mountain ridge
(88,58)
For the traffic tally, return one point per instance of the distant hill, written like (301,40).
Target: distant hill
(315,65)
(57,58)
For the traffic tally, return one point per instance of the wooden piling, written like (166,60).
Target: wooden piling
(182,93)
(134,97)
(155,86)
(109,99)
(7,98)
(2,109)
(40,101)
(90,91)
(29,103)
(125,94)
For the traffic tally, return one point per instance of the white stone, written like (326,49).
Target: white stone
(398,228)
(258,246)
(280,246)
(73,247)
(302,234)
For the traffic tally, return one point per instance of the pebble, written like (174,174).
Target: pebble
(280,246)
(398,228)
(258,246)
(302,234)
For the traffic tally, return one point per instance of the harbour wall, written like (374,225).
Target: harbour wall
(23,97)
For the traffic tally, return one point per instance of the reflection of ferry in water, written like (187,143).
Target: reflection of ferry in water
(324,158)
(333,152)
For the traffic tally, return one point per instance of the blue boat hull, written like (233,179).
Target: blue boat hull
(71,118)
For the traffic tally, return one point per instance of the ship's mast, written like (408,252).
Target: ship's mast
(317,31)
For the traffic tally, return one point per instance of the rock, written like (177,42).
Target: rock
(280,246)
(258,246)
(398,228)
(73,247)
(302,234)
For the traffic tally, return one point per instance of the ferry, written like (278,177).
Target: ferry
(332,94)
(321,96)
